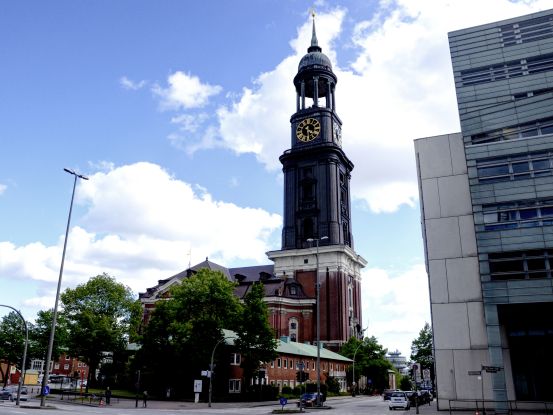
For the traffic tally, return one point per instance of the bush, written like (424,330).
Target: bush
(286,390)
(405,384)
(333,385)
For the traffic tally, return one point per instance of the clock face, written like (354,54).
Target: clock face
(308,129)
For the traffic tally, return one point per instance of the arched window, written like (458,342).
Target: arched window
(307,228)
(293,329)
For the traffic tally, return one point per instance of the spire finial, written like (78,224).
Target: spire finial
(314,36)
(314,43)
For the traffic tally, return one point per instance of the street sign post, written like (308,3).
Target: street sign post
(491,369)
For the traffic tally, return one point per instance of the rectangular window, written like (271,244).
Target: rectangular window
(519,265)
(278,362)
(285,363)
(66,366)
(234,385)
(548,129)
(540,164)
(493,170)
(56,366)
(272,363)
(235,359)
(521,167)
(528,214)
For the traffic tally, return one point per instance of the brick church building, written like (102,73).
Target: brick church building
(317,233)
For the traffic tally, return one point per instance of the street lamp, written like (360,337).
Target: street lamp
(318,289)
(55,313)
(24,360)
(211,369)
(354,353)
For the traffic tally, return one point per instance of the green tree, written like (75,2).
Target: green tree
(101,316)
(39,335)
(256,342)
(333,385)
(421,349)
(158,348)
(12,341)
(405,383)
(186,327)
(370,360)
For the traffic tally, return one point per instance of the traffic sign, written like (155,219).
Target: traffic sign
(46,390)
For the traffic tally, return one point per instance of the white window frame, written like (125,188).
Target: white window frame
(235,359)
(234,385)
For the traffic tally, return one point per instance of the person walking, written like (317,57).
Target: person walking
(145,399)
(108,395)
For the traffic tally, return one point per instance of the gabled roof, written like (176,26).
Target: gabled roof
(264,273)
(302,349)
(293,348)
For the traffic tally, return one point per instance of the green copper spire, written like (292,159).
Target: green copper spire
(314,43)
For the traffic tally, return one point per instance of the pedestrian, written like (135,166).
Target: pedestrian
(108,395)
(145,399)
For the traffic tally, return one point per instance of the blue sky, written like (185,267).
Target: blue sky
(178,112)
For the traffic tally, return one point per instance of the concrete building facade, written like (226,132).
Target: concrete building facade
(487,216)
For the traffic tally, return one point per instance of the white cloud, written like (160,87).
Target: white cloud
(140,225)
(127,83)
(398,87)
(101,165)
(185,91)
(3,188)
(395,305)
(190,122)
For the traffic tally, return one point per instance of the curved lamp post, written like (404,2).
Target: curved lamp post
(318,289)
(353,375)
(55,313)
(211,369)
(24,361)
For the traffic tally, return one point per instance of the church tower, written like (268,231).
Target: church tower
(317,210)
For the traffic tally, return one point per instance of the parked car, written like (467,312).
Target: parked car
(399,400)
(9,393)
(387,394)
(310,399)
(5,395)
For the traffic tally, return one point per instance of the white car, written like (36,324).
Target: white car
(399,400)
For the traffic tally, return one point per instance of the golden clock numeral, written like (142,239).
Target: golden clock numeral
(308,129)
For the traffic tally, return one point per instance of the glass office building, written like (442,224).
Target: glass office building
(487,216)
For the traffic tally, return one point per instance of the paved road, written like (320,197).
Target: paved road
(339,406)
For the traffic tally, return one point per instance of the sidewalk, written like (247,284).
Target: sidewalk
(56,401)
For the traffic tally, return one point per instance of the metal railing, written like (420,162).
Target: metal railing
(483,407)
